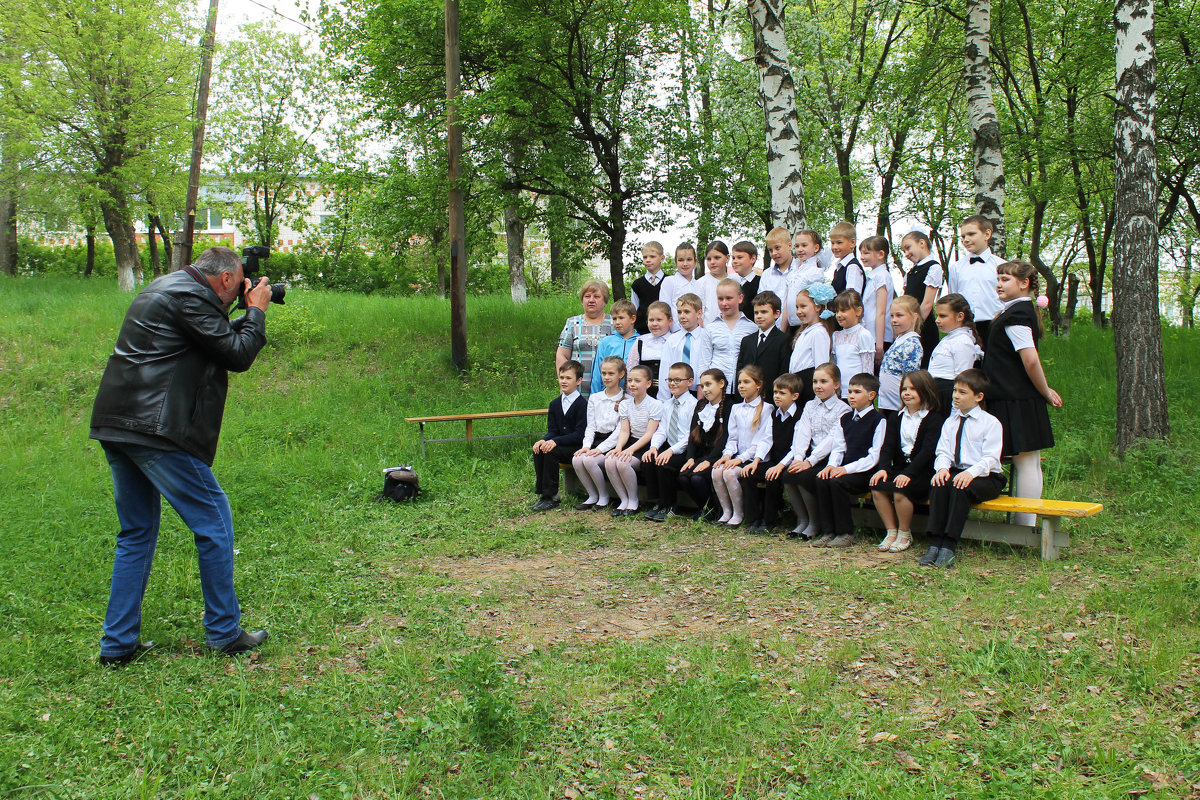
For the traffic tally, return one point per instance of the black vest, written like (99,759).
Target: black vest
(1002,363)
(646,293)
(839,275)
(914,286)
(749,290)
(859,434)
(781,433)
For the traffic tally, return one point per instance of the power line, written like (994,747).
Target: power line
(285,16)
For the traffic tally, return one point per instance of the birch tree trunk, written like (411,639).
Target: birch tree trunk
(981,116)
(514,233)
(777,92)
(8,233)
(1141,391)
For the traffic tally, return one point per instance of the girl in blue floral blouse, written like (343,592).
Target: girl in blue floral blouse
(905,353)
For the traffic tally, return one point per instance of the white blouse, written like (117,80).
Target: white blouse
(603,416)
(812,348)
(954,353)
(745,441)
(909,425)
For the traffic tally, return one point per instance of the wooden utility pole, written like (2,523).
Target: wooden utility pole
(458,223)
(183,251)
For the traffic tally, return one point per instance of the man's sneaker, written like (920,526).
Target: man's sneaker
(930,556)
(823,540)
(843,540)
(945,558)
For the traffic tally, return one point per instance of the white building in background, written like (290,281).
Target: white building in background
(213,220)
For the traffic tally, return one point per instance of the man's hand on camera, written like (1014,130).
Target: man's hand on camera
(258,295)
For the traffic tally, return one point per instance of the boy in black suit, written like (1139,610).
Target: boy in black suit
(770,348)
(566,422)
(761,496)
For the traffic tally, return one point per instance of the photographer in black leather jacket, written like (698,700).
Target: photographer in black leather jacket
(158,417)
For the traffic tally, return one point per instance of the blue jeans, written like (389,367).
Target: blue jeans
(141,477)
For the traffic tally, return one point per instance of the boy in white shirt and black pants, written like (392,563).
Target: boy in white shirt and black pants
(662,461)
(967,467)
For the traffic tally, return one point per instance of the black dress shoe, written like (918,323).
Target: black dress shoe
(243,644)
(125,658)
(945,558)
(930,556)
(584,506)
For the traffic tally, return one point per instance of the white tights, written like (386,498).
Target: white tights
(590,471)
(729,493)
(805,505)
(1027,477)
(623,475)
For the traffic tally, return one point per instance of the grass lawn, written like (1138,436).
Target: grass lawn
(460,647)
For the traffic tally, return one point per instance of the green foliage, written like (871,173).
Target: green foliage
(110,89)
(453,646)
(35,258)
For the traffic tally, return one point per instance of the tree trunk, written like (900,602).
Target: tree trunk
(114,207)
(1035,257)
(514,232)
(8,233)
(152,242)
(89,236)
(883,222)
(1095,269)
(440,260)
(845,181)
(558,270)
(1187,301)
(616,254)
(1137,331)
(1072,298)
(777,93)
(168,255)
(981,115)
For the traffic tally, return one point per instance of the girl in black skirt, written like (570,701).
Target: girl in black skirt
(906,462)
(706,440)
(1020,394)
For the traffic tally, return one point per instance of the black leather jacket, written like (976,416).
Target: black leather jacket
(165,383)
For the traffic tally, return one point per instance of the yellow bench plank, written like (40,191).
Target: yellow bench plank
(1043,508)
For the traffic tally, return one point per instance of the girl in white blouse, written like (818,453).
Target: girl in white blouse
(958,347)
(641,415)
(749,442)
(812,345)
(603,418)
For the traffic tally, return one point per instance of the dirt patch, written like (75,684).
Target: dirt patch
(674,589)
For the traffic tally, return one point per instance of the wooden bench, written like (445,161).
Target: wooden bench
(470,419)
(1049,538)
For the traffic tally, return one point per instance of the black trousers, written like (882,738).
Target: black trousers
(807,479)
(948,505)
(545,467)
(698,486)
(662,482)
(761,498)
(945,391)
(835,499)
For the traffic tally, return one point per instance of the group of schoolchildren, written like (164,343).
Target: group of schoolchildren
(866,396)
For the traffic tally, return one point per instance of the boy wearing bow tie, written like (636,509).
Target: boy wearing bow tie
(974,275)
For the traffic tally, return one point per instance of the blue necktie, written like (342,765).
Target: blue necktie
(687,348)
